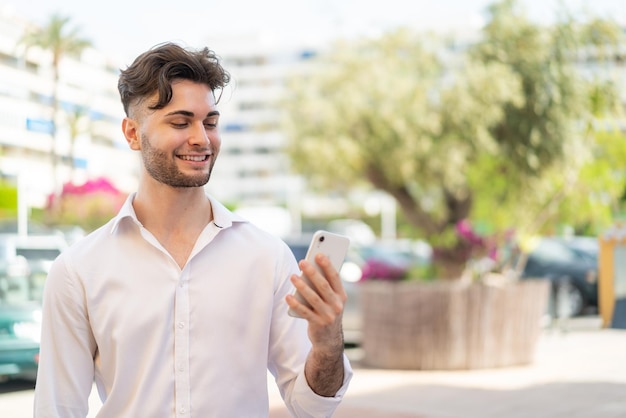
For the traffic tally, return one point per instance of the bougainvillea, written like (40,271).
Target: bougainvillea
(88,205)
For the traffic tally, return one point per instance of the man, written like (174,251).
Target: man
(177,307)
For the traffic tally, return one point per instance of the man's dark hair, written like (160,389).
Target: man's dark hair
(154,70)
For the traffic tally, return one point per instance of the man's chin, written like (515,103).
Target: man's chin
(189,183)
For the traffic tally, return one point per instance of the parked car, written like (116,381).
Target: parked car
(24,265)
(32,247)
(571,263)
(20,321)
(39,250)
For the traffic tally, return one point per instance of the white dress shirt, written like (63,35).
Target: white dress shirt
(164,342)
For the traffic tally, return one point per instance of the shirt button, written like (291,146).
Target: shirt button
(181,325)
(183,410)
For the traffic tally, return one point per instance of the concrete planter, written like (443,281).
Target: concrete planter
(450,325)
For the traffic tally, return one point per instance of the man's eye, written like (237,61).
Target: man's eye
(179,125)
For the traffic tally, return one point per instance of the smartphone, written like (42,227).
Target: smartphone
(334,246)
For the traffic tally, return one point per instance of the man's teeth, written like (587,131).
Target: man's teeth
(193,157)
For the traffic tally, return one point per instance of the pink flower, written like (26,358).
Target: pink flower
(379,270)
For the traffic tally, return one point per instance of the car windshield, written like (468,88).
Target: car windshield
(585,246)
(555,251)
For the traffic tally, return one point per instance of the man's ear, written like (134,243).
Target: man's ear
(131,132)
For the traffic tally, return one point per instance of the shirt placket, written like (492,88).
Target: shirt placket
(181,347)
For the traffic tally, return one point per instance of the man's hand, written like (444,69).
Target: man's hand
(327,297)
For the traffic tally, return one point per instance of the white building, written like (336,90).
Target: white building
(252,170)
(87,87)
(252,166)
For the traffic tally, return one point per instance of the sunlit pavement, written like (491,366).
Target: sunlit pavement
(579,372)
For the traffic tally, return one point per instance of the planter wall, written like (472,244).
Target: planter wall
(451,325)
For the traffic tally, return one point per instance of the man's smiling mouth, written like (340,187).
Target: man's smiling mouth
(197,158)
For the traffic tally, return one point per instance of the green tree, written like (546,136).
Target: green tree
(573,177)
(8,200)
(61,40)
(474,137)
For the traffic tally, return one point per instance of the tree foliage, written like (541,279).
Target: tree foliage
(8,200)
(490,133)
(57,37)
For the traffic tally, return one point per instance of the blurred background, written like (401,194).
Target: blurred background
(448,140)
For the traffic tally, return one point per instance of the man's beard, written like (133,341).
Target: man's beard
(164,170)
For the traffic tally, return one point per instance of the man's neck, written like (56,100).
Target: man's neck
(173,208)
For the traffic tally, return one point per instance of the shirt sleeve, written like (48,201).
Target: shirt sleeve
(66,361)
(289,348)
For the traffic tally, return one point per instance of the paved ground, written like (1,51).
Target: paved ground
(576,374)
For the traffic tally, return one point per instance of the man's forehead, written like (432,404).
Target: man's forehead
(196,92)
(180,93)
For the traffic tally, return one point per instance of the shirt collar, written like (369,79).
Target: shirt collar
(222,217)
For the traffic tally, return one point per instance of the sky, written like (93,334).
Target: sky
(125,28)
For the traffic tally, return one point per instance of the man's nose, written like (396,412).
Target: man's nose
(199,135)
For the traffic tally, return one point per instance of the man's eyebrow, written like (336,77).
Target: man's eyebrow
(191,114)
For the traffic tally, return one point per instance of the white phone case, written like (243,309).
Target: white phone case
(334,246)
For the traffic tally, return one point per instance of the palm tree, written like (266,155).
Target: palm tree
(61,40)
(75,121)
